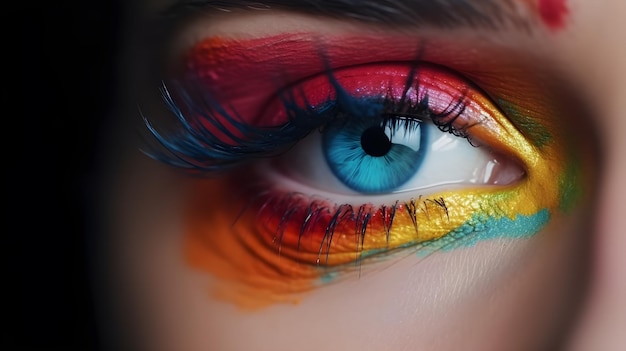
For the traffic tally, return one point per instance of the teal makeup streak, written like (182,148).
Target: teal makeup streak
(328,277)
(482,227)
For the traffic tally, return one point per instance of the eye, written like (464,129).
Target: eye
(386,139)
(321,165)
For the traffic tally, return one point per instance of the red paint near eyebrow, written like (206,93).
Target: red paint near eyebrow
(247,72)
(553,13)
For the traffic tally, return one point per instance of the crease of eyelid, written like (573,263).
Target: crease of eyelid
(492,15)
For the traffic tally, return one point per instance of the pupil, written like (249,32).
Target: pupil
(375,142)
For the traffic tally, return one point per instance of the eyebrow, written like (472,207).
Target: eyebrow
(488,14)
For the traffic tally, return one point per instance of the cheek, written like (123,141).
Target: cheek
(488,297)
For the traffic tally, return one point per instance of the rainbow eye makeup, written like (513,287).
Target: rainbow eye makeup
(315,161)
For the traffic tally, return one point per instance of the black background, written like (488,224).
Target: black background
(58,89)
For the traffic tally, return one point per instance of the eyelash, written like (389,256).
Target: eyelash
(291,212)
(230,142)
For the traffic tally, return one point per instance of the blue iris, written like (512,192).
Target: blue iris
(375,154)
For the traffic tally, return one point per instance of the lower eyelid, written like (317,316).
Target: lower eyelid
(255,254)
(259,267)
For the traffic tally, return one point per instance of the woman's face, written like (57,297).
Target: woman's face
(392,175)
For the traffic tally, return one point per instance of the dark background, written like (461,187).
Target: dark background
(57,94)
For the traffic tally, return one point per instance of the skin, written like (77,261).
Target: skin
(562,289)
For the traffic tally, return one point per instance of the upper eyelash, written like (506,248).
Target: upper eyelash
(196,148)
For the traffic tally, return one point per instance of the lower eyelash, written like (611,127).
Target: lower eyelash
(300,217)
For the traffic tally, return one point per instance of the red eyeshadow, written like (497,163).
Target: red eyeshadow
(553,13)
(266,65)
(387,80)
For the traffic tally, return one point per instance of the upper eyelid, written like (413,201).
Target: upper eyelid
(220,118)
(279,59)
(465,59)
